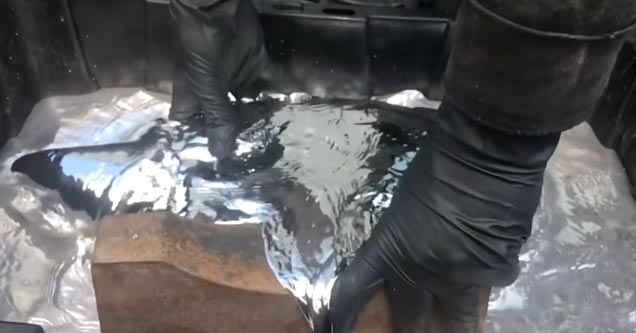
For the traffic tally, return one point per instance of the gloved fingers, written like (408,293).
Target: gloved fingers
(205,48)
(460,304)
(250,55)
(351,292)
(211,85)
(222,140)
(185,103)
(412,309)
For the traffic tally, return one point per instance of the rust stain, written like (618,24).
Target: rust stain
(153,274)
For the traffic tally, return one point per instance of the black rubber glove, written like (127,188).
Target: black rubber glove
(465,205)
(457,221)
(219,49)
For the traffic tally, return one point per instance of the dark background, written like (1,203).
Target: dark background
(54,47)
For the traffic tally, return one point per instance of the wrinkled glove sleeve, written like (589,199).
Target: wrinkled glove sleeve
(185,103)
(535,67)
(210,84)
(465,205)
(222,51)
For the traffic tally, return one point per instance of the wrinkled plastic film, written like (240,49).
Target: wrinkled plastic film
(343,159)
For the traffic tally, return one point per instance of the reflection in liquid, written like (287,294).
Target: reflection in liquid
(578,268)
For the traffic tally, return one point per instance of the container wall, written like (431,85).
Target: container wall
(332,50)
(112,33)
(53,47)
(40,56)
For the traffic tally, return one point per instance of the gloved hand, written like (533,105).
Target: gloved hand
(218,49)
(457,221)
(465,206)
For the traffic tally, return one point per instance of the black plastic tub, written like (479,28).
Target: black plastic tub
(73,47)
(57,47)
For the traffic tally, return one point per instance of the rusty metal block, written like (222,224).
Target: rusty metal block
(159,273)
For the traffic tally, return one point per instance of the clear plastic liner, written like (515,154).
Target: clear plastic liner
(316,176)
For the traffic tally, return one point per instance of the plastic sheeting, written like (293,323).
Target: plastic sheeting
(343,159)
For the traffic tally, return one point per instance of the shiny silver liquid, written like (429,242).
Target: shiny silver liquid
(316,175)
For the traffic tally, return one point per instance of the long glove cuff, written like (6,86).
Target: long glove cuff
(521,80)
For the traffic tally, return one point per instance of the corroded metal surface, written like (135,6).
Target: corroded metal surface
(159,273)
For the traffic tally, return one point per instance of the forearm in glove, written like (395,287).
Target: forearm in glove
(465,205)
(221,51)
